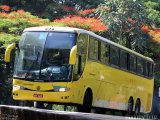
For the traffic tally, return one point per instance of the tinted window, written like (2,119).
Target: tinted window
(132,63)
(104,53)
(150,70)
(58,40)
(82,44)
(93,48)
(55,64)
(123,59)
(146,68)
(114,56)
(140,66)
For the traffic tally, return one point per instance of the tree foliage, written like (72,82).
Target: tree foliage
(12,24)
(125,18)
(52,9)
(91,24)
(153,7)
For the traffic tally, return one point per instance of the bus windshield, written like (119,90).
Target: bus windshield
(44,56)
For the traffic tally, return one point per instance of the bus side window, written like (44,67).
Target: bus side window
(132,63)
(114,56)
(140,66)
(123,60)
(150,70)
(93,48)
(82,44)
(104,52)
(146,68)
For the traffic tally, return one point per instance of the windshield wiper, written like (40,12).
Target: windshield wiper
(33,64)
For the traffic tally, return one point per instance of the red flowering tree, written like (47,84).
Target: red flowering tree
(12,23)
(155,34)
(84,19)
(91,24)
(4,8)
(87,12)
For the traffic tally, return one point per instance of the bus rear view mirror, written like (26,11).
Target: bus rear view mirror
(7,57)
(72,59)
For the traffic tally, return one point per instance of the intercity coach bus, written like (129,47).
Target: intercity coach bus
(73,66)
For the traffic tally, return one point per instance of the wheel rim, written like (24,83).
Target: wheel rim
(136,110)
(87,103)
(130,106)
(137,107)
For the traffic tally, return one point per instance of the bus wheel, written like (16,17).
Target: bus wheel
(87,103)
(38,104)
(130,106)
(137,107)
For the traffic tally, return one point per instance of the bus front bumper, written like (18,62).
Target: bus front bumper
(60,97)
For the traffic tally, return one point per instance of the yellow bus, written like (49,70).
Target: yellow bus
(73,66)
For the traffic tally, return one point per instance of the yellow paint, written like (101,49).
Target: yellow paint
(8,52)
(46,89)
(72,58)
(115,87)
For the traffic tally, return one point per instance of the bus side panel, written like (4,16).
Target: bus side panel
(87,80)
(117,86)
(112,93)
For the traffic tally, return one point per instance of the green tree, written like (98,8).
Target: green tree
(51,9)
(153,7)
(124,19)
(11,26)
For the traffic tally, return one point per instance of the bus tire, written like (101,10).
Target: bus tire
(137,107)
(130,106)
(87,102)
(38,104)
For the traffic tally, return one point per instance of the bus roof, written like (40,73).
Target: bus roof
(50,28)
(78,30)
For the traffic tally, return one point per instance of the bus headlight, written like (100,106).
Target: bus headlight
(63,89)
(60,89)
(18,87)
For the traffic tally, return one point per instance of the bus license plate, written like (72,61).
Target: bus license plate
(38,95)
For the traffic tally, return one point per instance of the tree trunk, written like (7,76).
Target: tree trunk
(128,41)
